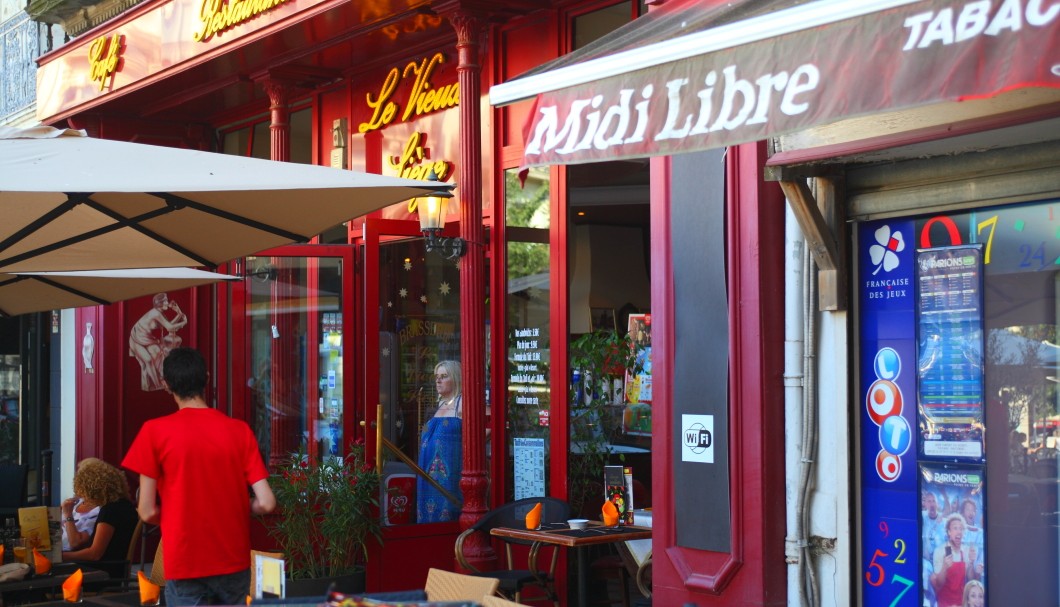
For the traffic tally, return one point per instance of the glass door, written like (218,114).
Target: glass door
(412,371)
(298,364)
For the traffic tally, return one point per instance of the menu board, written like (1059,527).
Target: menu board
(950,352)
(529,467)
(527,379)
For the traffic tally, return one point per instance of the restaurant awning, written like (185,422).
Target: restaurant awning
(697,75)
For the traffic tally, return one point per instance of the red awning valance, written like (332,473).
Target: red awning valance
(695,75)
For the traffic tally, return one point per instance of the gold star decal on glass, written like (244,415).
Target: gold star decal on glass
(408,265)
(423,298)
(403,292)
(443,288)
(386,352)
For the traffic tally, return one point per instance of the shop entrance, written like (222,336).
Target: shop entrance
(411,338)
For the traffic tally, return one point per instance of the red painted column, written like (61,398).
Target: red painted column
(470,28)
(280,128)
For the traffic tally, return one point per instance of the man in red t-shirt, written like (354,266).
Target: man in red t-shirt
(199,462)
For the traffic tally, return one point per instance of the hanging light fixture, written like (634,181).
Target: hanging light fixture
(432,210)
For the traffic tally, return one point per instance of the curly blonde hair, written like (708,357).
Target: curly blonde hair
(99,482)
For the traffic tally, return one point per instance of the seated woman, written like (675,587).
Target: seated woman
(84,512)
(99,483)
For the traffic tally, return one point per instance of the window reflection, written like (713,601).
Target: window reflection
(295,371)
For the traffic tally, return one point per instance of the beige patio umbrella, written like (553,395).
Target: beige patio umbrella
(41,291)
(72,202)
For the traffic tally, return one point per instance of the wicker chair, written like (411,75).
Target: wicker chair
(512,581)
(496,601)
(448,586)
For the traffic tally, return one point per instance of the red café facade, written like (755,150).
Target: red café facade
(318,334)
(597,238)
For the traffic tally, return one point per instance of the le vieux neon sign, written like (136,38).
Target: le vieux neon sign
(414,161)
(423,98)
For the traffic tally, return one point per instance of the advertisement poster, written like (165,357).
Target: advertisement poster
(636,417)
(953,533)
(950,352)
(887,374)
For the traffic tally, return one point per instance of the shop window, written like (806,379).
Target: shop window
(294,370)
(420,381)
(609,309)
(10,409)
(980,291)
(590,26)
(256,140)
(528,401)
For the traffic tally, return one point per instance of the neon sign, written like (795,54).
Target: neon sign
(423,99)
(104,58)
(218,16)
(410,164)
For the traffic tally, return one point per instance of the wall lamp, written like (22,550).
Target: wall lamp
(432,209)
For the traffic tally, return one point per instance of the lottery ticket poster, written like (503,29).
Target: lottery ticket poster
(952,535)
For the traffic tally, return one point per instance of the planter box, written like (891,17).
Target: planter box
(353,583)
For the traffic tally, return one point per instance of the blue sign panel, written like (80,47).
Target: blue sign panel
(886,291)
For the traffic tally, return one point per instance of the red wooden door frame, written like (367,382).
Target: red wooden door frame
(753,572)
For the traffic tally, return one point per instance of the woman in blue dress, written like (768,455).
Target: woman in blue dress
(441,449)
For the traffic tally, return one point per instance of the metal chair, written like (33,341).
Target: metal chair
(120,571)
(513,581)
(12,490)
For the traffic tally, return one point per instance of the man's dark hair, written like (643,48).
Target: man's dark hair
(184,370)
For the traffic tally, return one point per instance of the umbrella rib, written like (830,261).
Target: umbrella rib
(136,223)
(179,201)
(72,200)
(119,223)
(68,289)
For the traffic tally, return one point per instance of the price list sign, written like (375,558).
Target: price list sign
(527,379)
(950,352)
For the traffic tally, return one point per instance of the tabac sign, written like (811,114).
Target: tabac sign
(423,97)
(917,54)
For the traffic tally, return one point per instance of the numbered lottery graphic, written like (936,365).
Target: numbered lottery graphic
(884,404)
(890,564)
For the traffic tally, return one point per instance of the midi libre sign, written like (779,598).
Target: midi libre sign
(914,55)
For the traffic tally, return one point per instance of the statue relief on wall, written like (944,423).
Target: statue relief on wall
(153,336)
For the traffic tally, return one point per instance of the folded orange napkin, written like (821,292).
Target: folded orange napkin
(533,518)
(72,587)
(609,514)
(41,564)
(149,590)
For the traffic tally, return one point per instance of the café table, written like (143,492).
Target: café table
(560,534)
(51,581)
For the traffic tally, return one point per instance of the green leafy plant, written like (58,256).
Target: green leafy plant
(601,357)
(327,511)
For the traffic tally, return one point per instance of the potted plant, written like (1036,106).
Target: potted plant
(327,511)
(601,358)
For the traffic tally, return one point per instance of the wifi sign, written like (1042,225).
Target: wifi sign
(883,402)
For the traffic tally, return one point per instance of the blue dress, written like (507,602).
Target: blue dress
(442,457)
